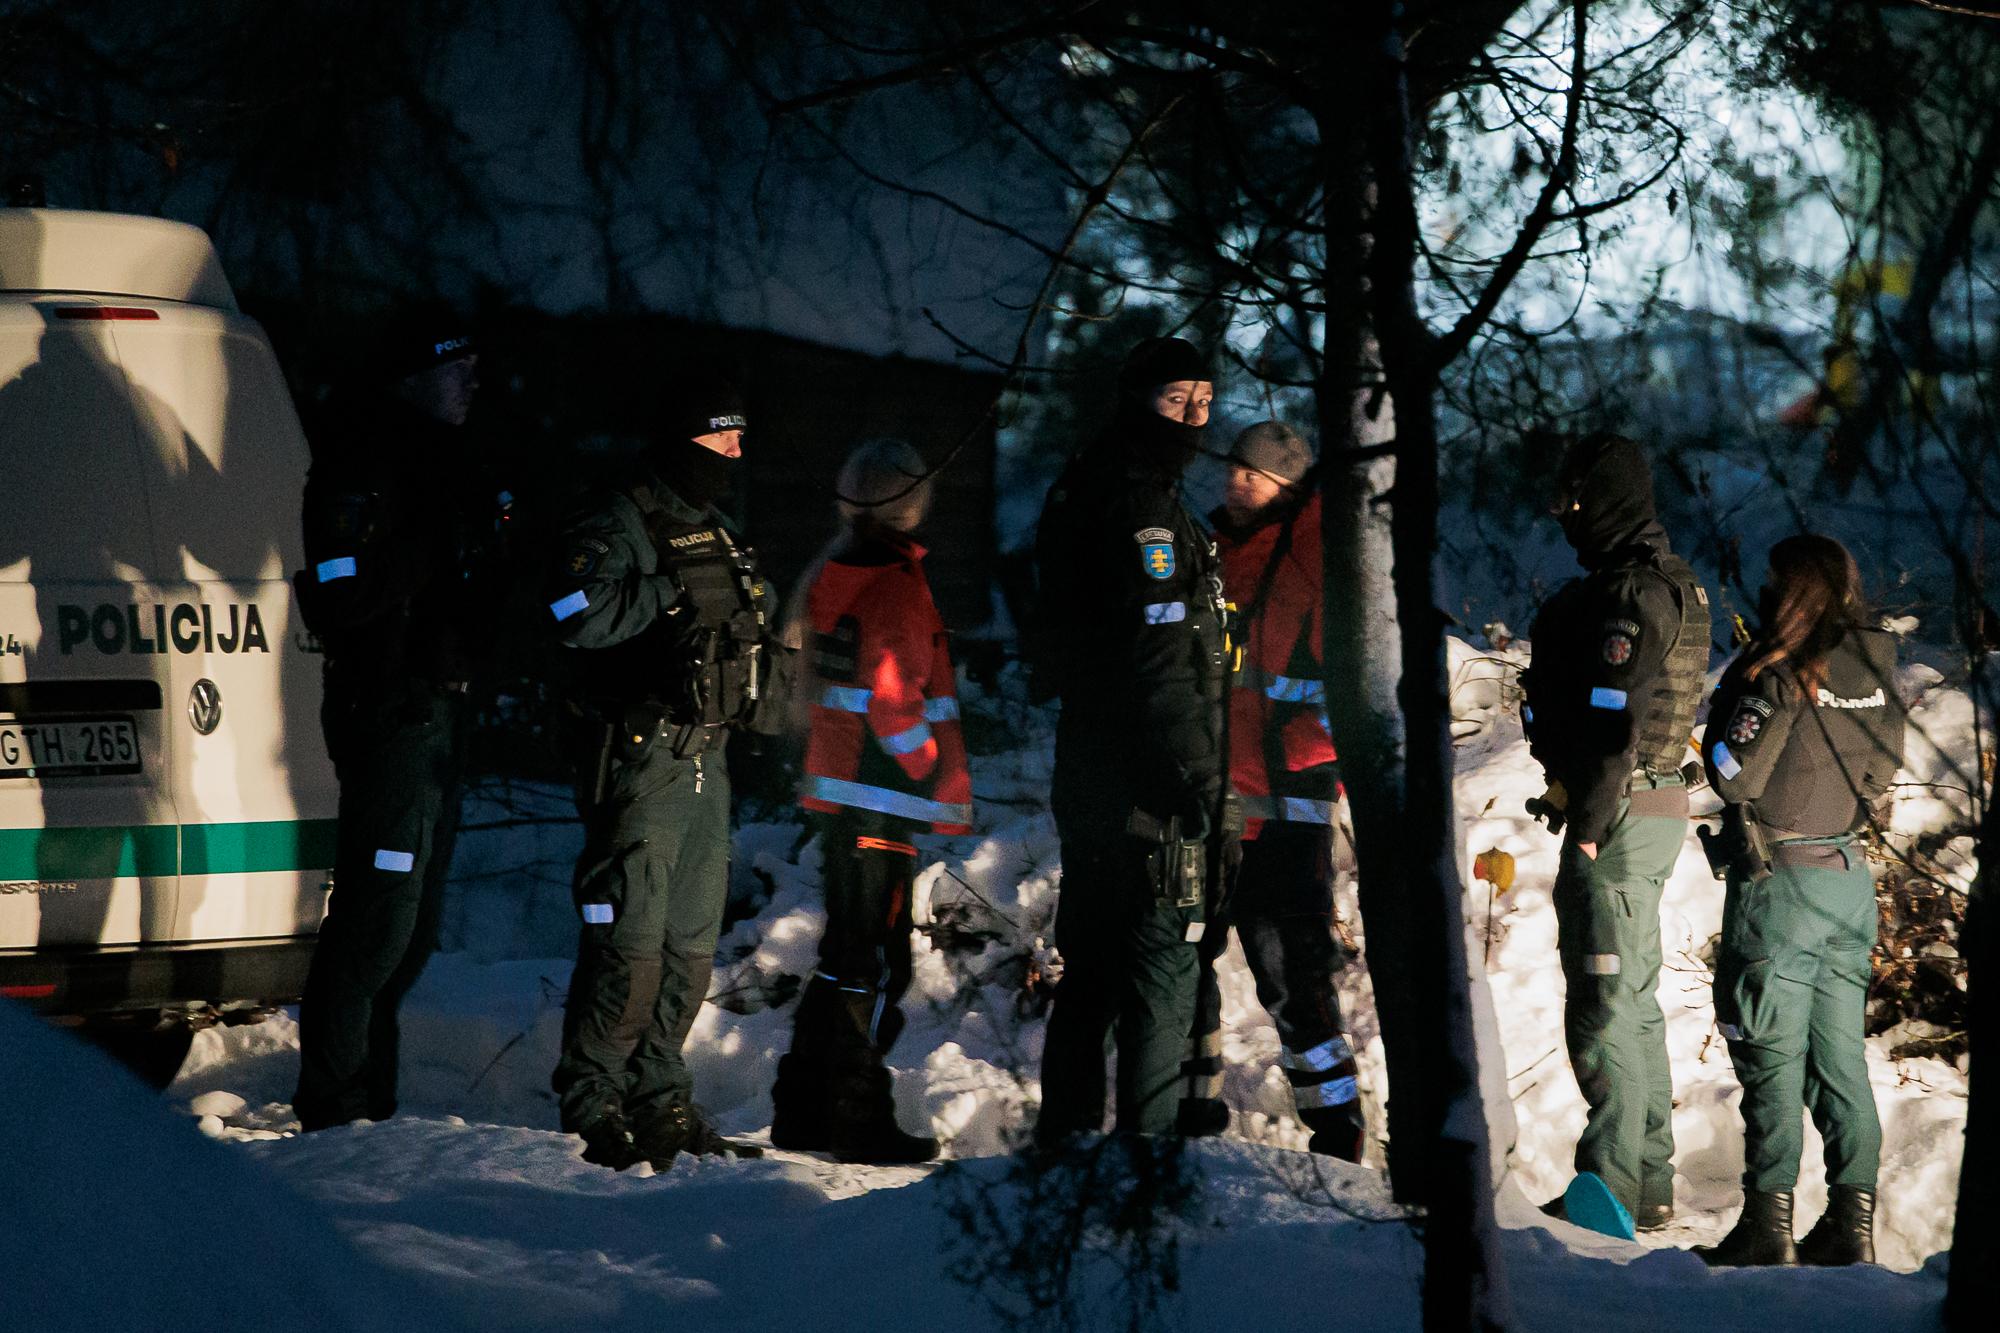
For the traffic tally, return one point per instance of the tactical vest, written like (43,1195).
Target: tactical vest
(705,662)
(1677,693)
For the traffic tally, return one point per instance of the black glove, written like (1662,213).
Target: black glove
(1552,806)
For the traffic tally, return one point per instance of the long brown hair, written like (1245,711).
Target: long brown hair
(1812,599)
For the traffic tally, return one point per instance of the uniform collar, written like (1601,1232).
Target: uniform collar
(677,506)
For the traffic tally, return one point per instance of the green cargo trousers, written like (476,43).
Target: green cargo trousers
(1608,935)
(1791,993)
(1129,971)
(650,887)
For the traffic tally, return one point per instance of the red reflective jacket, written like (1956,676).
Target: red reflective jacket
(1280,751)
(885,731)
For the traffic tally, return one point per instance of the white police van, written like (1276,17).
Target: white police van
(166,805)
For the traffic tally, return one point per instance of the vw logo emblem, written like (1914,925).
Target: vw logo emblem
(205,707)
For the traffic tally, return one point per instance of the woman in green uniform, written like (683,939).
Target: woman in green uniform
(1804,733)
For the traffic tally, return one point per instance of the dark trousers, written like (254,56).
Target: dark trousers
(1608,936)
(650,888)
(1791,994)
(849,1017)
(1129,971)
(1282,908)
(400,758)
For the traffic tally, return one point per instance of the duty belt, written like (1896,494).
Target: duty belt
(1836,852)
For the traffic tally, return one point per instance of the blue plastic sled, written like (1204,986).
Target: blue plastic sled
(1590,1204)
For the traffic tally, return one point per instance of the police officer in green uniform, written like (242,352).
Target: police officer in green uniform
(1132,633)
(1804,733)
(1620,657)
(394,520)
(671,626)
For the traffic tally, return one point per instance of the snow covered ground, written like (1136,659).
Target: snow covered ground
(473,1200)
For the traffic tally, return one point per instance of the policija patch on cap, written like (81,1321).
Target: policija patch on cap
(1156,552)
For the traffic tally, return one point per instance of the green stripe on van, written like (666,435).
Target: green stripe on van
(89,853)
(119,851)
(279,844)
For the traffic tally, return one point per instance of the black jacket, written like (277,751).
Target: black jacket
(1599,677)
(1132,623)
(1810,765)
(1621,654)
(394,516)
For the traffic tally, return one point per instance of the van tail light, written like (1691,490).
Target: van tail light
(106,312)
(41,992)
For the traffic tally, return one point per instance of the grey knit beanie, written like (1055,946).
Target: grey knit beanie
(887,480)
(1274,448)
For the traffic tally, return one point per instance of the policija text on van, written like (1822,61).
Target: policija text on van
(188,628)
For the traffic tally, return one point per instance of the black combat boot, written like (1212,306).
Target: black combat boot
(800,1106)
(864,1123)
(1201,1117)
(666,1130)
(1845,1232)
(607,1140)
(1761,1238)
(1337,1131)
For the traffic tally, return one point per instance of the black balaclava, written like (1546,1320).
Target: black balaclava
(1150,439)
(1604,494)
(700,406)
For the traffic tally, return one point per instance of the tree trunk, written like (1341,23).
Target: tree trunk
(1362,668)
(1464,1273)
(1389,707)
(1974,1290)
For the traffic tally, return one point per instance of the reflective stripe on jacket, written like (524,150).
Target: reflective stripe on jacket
(1280,749)
(885,734)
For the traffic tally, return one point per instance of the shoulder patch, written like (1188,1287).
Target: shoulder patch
(585,555)
(1146,535)
(1743,727)
(1157,559)
(1617,646)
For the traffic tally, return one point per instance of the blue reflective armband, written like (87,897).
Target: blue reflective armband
(340,567)
(1725,762)
(1614,700)
(570,605)
(1166,613)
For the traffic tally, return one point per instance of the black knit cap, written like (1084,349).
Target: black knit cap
(702,400)
(1158,361)
(419,338)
